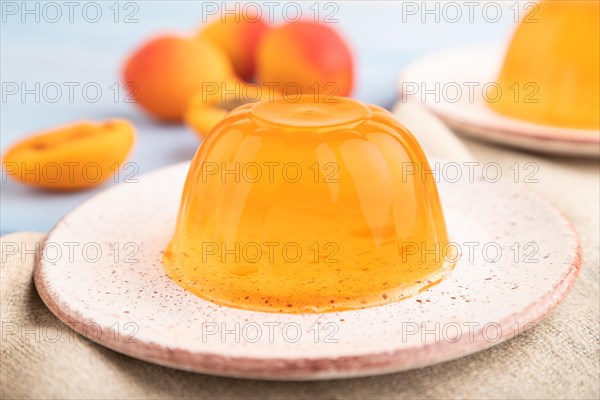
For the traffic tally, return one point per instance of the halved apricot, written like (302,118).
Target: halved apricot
(77,156)
(209,106)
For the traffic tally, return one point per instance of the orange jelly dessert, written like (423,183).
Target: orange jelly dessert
(551,72)
(308,206)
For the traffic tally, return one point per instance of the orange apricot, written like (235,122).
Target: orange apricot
(202,116)
(166,71)
(238,36)
(310,56)
(73,157)
(209,106)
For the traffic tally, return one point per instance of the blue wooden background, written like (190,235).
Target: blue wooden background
(84,47)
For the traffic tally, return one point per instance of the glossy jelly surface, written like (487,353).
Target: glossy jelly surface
(316,205)
(551,72)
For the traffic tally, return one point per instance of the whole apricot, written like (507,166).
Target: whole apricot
(166,71)
(310,56)
(238,35)
(77,156)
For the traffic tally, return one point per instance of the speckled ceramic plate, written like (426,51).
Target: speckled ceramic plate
(451,83)
(100,272)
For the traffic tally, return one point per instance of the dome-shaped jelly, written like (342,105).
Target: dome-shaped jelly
(309,206)
(551,72)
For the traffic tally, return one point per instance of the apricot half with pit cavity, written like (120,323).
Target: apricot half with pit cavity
(77,156)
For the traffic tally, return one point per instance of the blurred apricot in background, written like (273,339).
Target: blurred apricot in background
(307,55)
(166,71)
(201,78)
(210,105)
(238,35)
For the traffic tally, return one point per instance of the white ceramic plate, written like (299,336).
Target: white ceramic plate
(100,272)
(455,79)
